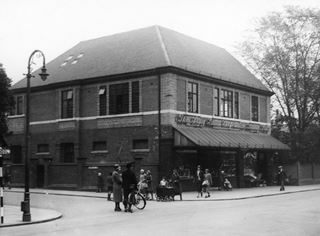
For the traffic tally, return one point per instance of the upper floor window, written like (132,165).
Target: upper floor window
(67,152)
(119,98)
(254,108)
(135,97)
(216,102)
(193,94)
(140,144)
(17,109)
(236,105)
(67,104)
(103,100)
(43,148)
(226,103)
(99,146)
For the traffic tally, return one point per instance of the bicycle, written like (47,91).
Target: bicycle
(137,199)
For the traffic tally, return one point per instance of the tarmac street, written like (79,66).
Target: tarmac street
(226,213)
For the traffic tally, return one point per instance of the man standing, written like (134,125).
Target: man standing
(129,184)
(281,177)
(199,180)
(117,190)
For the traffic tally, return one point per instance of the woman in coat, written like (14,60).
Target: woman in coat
(207,182)
(117,187)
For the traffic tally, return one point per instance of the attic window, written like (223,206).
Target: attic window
(74,61)
(69,58)
(80,55)
(64,63)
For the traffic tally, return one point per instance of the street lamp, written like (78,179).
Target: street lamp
(25,205)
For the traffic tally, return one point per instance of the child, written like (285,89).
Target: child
(163,182)
(100,183)
(109,186)
(227,185)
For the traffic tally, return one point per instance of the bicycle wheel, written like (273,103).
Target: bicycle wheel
(139,201)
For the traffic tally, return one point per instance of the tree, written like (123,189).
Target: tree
(6,100)
(284,51)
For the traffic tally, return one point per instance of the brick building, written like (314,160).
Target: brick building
(153,96)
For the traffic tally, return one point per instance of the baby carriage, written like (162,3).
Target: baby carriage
(165,193)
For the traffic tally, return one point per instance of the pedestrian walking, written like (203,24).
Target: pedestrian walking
(117,187)
(198,180)
(221,179)
(100,183)
(109,185)
(281,178)
(149,184)
(129,184)
(176,183)
(207,182)
(142,185)
(7,180)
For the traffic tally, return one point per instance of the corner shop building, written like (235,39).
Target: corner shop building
(153,96)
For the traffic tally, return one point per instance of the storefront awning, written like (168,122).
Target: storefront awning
(207,137)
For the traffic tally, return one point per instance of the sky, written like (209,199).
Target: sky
(54,26)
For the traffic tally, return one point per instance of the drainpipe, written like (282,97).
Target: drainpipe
(159,114)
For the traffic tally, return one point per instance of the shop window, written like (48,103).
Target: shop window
(67,104)
(67,152)
(16,154)
(236,105)
(216,102)
(140,144)
(229,163)
(184,172)
(193,94)
(226,103)
(135,97)
(43,148)
(102,100)
(119,98)
(99,146)
(254,108)
(250,162)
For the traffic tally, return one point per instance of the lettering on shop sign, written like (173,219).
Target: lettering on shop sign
(93,167)
(196,121)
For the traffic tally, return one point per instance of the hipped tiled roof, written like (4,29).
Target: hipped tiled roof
(141,50)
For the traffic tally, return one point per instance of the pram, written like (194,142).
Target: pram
(165,193)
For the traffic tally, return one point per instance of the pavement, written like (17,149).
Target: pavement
(13,215)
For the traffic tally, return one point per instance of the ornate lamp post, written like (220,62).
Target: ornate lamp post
(25,205)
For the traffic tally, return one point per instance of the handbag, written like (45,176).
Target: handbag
(205,183)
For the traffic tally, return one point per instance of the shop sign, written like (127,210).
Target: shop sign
(4,151)
(196,121)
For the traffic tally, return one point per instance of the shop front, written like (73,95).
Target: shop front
(241,152)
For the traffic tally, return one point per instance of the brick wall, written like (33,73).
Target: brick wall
(206,99)
(244,106)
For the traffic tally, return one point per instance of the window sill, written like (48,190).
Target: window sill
(99,151)
(140,150)
(16,116)
(43,153)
